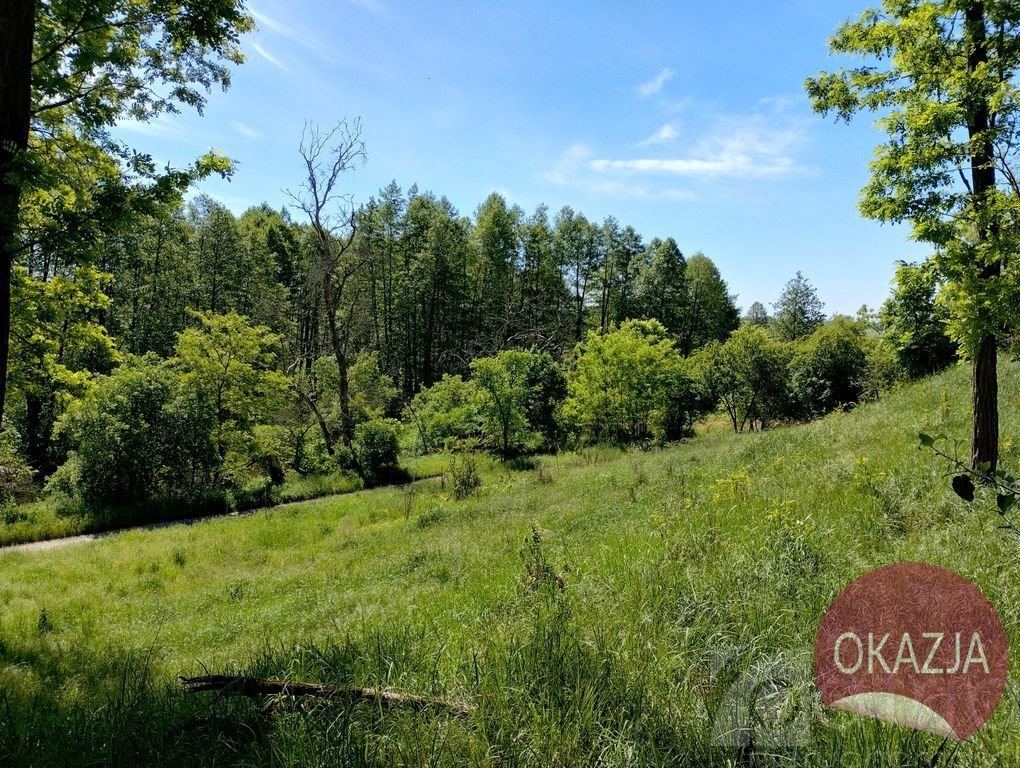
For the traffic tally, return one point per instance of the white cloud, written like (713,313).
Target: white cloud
(750,153)
(269,57)
(574,170)
(270,24)
(246,130)
(664,135)
(766,144)
(648,89)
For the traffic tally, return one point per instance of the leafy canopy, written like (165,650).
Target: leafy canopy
(942,111)
(630,384)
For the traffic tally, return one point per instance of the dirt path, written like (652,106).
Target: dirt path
(42,546)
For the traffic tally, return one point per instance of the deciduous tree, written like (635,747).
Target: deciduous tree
(327,155)
(943,77)
(68,72)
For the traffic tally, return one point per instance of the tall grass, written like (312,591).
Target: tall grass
(670,622)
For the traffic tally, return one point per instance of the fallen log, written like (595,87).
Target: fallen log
(235,685)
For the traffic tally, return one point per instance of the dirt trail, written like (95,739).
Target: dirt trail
(42,546)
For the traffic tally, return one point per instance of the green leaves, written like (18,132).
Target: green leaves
(929,441)
(918,73)
(1005,502)
(630,384)
(964,487)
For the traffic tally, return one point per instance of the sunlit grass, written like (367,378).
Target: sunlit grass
(687,570)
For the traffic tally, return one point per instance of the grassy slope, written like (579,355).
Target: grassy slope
(685,568)
(41,520)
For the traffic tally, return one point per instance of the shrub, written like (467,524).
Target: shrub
(517,393)
(138,435)
(831,370)
(227,362)
(375,447)
(884,368)
(748,375)
(545,391)
(444,414)
(372,391)
(15,475)
(629,385)
(464,475)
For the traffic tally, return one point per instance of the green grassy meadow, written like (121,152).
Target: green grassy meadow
(695,578)
(43,519)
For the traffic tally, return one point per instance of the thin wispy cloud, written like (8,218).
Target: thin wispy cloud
(246,130)
(768,143)
(574,170)
(372,6)
(269,57)
(749,153)
(267,23)
(664,135)
(650,88)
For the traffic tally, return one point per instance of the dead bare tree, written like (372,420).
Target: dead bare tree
(327,155)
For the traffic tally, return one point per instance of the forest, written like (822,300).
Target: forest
(252,351)
(167,356)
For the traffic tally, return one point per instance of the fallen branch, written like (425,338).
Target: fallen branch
(233,685)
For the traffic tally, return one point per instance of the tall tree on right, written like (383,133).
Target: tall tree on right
(943,76)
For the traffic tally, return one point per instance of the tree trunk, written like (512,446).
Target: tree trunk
(343,368)
(985,389)
(327,436)
(985,444)
(17,30)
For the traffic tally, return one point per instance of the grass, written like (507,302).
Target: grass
(43,519)
(692,575)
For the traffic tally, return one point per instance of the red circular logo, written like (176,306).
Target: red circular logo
(913,644)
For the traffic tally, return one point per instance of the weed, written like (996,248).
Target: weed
(464,476)
(538,574)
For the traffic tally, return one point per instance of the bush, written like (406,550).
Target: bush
(748,375)
(138,436)
(518,393)
(884,368)
(372,391)
(831,370)
(444,414)
(15,475)
(545,390)
(630,385)
(464,475)
(376,446)
(228,363)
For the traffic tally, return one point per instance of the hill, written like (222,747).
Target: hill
(604,607)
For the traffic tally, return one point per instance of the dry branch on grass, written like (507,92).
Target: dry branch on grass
(234,685)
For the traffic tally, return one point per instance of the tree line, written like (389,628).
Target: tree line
(195,361)
(105,270)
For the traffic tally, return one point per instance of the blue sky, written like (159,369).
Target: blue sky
(682,119)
